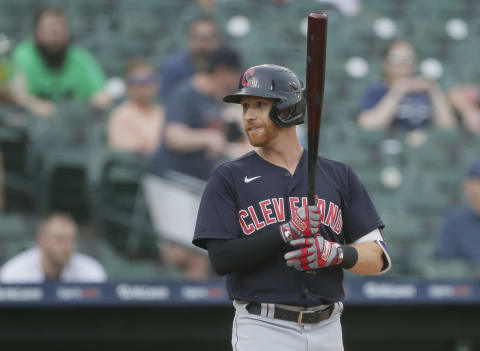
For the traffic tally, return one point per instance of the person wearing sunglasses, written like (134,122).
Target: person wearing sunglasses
(404,100)
(136,125)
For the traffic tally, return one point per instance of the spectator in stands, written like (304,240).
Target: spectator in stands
(460,236)
(203,37)
(53,68)
(137,124)
(195,133)
(54,258)
(404,100)
(195,140)
(466,101)
(6,95)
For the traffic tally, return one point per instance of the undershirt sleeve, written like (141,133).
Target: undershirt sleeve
(240,255)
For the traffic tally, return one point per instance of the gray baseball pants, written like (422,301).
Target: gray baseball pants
(263,333)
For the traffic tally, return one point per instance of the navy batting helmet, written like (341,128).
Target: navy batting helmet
(278,83)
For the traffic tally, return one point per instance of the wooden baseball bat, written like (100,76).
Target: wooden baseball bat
(316,50)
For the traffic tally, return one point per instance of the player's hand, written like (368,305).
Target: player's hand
(305,222)
(314,253)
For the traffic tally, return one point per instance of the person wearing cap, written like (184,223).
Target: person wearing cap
(459,237)
(197,138)
(196,135)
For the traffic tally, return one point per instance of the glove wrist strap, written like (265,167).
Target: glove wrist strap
(350,256)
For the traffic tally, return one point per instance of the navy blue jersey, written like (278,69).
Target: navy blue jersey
(251,196)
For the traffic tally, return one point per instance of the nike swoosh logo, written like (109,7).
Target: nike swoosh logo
(248,180)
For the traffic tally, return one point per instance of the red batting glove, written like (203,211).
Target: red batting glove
(305,222)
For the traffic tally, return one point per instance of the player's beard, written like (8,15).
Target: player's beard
(261,138)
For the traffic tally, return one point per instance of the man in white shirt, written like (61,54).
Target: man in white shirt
(54,258)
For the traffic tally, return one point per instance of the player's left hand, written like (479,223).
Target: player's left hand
(315,253)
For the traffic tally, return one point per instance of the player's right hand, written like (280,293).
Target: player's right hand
(305,222)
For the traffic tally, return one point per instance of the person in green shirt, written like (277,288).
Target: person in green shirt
(53,69)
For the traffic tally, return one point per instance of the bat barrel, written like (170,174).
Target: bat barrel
(316,55)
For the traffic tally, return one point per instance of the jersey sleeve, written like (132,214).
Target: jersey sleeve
(361,217)
(217,215)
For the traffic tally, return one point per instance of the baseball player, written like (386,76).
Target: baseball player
(284,260)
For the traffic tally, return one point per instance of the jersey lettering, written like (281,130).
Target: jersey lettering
(247,229)
(258,224)
(267,212)
(321,208)
(339,224)
(278,205)
(293,207)
(304,201)
(332,215)
(269,216)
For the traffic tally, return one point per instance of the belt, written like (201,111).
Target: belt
(301,317)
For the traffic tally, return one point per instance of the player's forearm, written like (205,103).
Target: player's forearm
(370,258)
(241,255)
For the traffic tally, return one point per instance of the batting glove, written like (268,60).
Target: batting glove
(315,253)
(305,222)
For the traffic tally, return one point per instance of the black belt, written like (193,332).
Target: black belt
(301,317)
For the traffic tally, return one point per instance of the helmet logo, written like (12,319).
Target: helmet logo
(246,77)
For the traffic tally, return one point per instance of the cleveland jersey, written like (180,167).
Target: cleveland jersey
(251,196)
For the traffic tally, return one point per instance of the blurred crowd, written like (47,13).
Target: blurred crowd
(173,117)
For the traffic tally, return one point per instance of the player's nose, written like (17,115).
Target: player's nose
(249,115)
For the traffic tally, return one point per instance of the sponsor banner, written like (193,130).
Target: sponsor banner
(386,291)
(183,293)
(21,293)
(141,292)
(72,293)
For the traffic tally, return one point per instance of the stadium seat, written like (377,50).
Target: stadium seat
(117,266)
(118,206)
(446,269)
(59,156)
(15,235)
(15,147)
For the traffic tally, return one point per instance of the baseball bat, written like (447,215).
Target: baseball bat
(316,50)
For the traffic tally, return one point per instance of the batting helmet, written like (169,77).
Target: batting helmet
(278,83)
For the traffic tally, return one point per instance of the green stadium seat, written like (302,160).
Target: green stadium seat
(118,205)
(447,269)
(381,7)
(59,156)
(15,147)
(16,235)
(118,267)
